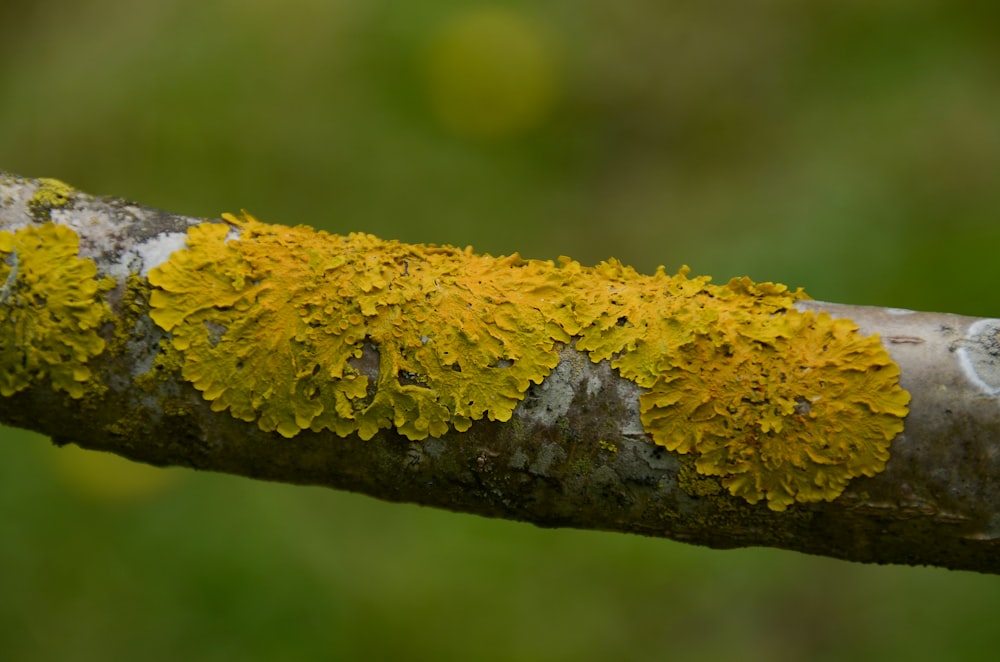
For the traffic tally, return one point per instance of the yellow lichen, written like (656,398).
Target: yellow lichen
(782,405)
(786,409)
(297,329)
(288,327)
(51,194)
(51,307)
(695,483)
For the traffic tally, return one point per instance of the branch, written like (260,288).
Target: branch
(727,416)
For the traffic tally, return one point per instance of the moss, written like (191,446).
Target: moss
(51,307)
(51,194)
(297,329)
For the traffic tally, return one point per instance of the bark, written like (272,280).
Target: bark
(575,452)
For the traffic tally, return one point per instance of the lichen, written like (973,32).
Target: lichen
(51,194)
(607,446)
(51,307)
(782,405)
(300,329)
(297,329)
(785,408)
(131,311)
(696,483)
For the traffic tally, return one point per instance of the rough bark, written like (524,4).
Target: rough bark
(575,452)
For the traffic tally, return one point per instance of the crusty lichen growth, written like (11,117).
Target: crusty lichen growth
(279,325)
(787,408)
(782,405)
(51,194)
(51,307)
(297,329)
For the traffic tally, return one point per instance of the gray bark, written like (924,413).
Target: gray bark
(575,454)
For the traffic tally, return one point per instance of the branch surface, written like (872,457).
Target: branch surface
(100,354)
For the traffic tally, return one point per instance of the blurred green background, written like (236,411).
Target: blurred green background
(849,147)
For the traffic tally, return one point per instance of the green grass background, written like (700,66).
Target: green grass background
(849,147)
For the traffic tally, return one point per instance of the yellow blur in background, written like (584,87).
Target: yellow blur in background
(491,72)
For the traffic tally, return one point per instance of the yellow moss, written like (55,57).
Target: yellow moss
(51,194)
(298,329)
(51,306)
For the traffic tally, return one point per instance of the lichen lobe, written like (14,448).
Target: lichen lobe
(51,194)
(51,308)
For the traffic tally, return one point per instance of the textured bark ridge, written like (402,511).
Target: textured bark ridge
(593,397)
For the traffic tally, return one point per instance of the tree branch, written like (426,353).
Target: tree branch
(120,330)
